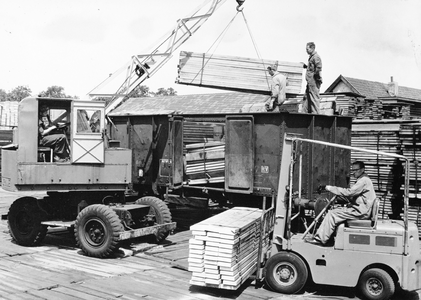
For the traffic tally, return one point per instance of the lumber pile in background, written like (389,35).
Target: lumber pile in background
(223,252)
(235,73)
(410,136)
(376,110)
(8,114)
(387,174)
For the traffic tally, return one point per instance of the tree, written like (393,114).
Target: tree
(3,95)
(19,93)
(55,91)
(140,91)
(165,92)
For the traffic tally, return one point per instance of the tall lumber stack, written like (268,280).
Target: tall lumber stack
(204,147)
(378,168)
(387,174)
(235,73)
(411,147)
(224,249)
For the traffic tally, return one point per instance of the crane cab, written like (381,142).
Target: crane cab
(26,165)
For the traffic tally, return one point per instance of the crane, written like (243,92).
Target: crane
(144,66)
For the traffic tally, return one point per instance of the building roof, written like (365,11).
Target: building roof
(188,104)
(374,89)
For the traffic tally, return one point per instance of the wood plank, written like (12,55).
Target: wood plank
(235,73)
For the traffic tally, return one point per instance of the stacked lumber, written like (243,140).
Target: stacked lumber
(380,169)
(205,162)
(290,105)
(410,136)
(224,249)
(346,105)
(414,111)
(387,174)
(370,110)
(235,73)
(199,132)
(327,107)
(334,104)
(204,148)
(376,110)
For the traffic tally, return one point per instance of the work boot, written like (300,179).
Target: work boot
(61,160)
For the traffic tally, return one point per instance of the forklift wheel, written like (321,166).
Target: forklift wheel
(376,284)
(24,221)
(97,230)
(286,273)
(161,213)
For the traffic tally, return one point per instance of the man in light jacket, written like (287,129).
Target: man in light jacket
(278,89)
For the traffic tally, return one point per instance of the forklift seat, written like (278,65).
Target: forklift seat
(43,152)
(370,223)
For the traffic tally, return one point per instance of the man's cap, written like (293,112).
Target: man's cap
(272,67)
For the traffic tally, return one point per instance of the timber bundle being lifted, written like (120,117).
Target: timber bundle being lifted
(235,73)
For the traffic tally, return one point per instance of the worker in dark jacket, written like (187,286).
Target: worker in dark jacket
(311,101)
(278,89)
(361,198)
(49,136)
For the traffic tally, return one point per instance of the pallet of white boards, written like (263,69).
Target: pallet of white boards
(224,249)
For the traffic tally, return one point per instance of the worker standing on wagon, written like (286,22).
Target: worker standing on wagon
(361,196)
(311,101)
(278,89)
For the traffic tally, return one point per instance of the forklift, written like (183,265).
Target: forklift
(374,256)
(86,194)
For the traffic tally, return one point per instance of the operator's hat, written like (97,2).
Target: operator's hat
(273,67)
(43,107)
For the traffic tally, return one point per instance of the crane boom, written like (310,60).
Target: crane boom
(144,66)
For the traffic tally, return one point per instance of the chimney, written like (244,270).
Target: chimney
(392,88)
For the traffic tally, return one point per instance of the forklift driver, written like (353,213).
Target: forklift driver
(361,197)
(50,136)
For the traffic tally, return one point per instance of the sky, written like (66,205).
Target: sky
(76,44)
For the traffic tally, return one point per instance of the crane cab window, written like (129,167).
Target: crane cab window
(88,121)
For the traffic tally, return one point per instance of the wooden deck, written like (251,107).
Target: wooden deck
(141,270)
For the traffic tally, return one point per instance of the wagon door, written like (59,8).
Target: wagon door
(177,151)
(239,154)
(87,143)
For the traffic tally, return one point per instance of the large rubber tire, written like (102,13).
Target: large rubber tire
(286,273)
(376,284)
(162,214)
(24,222)
(97,229)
